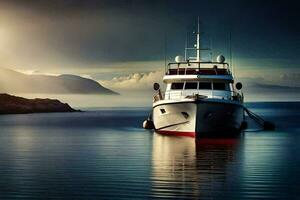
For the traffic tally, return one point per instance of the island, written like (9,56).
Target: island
(10,104)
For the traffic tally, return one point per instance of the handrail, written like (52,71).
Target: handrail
(158,97)
(195,62)
(234,96)
(187,68)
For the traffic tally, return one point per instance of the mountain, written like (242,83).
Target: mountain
(18,105)
(16,82)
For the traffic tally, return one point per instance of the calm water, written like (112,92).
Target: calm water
(106,155)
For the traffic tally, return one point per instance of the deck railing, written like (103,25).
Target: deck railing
(158,97)
(234,96)
(198,68)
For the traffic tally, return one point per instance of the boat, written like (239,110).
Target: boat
(201,98)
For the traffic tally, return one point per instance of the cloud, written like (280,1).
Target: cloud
(292,79)
(293,76)
(257,88)
(272,77)
(275,88)
(66,35)
(265,88)
(252,84)
(134,81)
(36,72)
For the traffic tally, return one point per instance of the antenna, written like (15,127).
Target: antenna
(210,47)
(165,52)
(198,41)
(196,46)
(230,53)
(186,46)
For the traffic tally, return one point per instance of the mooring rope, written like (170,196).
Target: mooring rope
(266,125)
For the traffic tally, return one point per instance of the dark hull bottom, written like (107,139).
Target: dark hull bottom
(221,134)
(224,134)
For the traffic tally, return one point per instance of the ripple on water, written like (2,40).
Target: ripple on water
(42,156)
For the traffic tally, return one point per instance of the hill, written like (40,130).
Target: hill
(16,82)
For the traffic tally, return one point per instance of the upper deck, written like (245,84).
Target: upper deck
(198,68)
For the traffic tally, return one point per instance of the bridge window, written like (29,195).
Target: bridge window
(204,85)
(177,86)
(219,86)
(191,86)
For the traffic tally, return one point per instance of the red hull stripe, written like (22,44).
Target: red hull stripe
(177,133)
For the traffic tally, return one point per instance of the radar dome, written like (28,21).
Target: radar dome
(179,59)
(220,59)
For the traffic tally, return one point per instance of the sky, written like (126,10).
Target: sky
(126,41)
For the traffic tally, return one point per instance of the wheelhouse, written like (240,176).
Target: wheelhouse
(210,89)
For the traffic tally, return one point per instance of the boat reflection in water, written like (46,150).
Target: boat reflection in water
(187,168)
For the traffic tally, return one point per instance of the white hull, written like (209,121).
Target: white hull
(198,118)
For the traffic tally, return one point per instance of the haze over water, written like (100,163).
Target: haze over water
(105,154)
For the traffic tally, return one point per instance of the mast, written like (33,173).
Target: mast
(198,42)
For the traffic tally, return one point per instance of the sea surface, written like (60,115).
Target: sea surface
(105,154)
